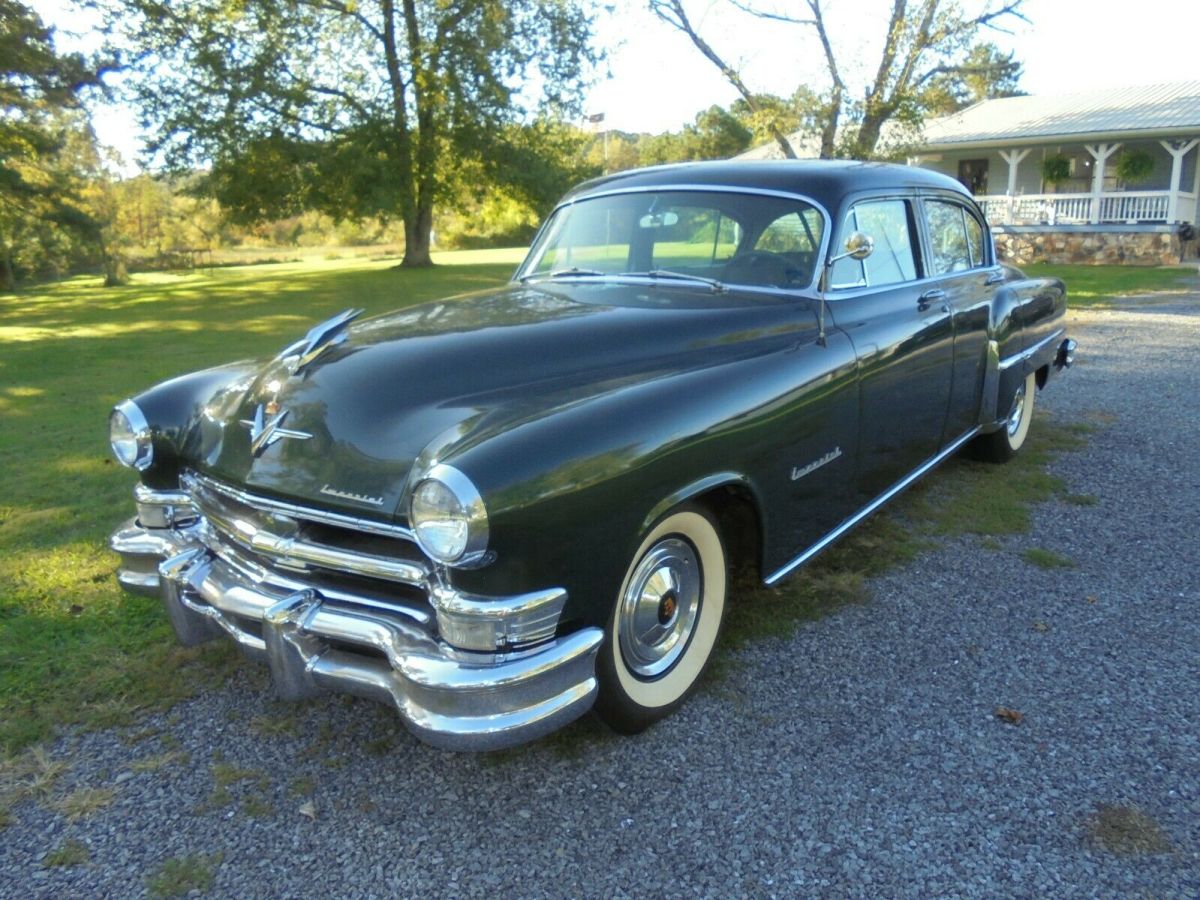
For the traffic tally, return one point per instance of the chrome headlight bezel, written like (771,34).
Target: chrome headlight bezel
(130,437)
(470,513)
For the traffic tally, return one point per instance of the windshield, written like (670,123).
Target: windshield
(677,236)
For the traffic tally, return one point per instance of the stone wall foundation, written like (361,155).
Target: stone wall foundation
(1097,248)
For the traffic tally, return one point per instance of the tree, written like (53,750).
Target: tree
(354,108)
(922,40)
(985,74)
(38,89)
(715,134)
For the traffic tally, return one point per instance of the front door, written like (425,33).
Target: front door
(973,175)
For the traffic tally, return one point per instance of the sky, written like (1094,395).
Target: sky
(655,80)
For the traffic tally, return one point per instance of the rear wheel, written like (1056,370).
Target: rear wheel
(1002,445)
(665,622)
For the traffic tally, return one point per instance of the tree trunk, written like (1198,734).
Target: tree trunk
(115,273)
(8,278)
(418,230)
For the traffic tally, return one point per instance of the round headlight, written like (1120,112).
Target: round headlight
(448,517)
(129,435)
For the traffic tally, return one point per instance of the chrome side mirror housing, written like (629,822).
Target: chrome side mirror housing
(859,246)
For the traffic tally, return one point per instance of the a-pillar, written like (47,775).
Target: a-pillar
(1100,153)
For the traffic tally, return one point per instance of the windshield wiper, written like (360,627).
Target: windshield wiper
(668,275)
(563,273)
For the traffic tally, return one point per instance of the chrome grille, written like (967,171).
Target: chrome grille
(299,539)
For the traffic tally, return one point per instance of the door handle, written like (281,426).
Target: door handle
(994,278)
(931,296)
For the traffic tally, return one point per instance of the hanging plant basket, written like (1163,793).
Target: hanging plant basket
(1135,166)
(1056,169)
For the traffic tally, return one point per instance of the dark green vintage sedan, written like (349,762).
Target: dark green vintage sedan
(500,510)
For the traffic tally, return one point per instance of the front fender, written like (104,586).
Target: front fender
(569,495)
(174,410)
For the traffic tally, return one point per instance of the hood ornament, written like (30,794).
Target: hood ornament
(320,338)
(265,432)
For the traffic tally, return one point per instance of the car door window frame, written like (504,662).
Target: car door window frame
(965,208)
(915,235)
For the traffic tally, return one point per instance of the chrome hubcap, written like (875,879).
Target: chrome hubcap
(1018,409)
(659,608)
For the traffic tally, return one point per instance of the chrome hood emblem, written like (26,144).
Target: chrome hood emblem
(265,432)
(319,339)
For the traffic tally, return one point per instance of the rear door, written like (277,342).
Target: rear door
(903,337)
(960,265)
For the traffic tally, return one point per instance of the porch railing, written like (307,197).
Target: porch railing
(1075,209)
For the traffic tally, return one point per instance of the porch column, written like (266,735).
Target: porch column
(1100,153)
(1178,150)
(1013,158)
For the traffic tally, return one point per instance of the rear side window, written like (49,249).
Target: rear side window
(893,260)
(974,240)
(955,237)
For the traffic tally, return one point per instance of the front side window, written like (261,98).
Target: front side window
(737,239)
(894,258)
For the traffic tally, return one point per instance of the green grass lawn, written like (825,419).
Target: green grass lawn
(74,648)
(1100,285)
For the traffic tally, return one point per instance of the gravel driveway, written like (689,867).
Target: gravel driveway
(860,757)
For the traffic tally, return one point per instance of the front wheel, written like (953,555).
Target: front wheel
(665,622)
(1001,446)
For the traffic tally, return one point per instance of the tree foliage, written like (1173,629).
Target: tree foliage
(923,41)
(985,74)
(44,144)
(378,107)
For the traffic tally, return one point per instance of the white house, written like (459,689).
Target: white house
(999,148)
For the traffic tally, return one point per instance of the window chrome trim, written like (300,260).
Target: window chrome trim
(826,219)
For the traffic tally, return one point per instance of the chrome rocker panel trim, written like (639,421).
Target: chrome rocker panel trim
(871,507)
(452,699)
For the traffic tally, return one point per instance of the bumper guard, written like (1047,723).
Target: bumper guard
(449,698)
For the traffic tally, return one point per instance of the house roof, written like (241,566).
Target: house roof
(1149,109)
(1152,110)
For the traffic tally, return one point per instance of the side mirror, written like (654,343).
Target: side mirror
(859,246)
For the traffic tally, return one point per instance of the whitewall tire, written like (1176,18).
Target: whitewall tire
(665,623)
(1003,445)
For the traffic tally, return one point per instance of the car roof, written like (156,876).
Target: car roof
(825,180)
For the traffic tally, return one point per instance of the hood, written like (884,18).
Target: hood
(425,382)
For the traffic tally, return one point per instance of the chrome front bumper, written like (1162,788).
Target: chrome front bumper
(314,641)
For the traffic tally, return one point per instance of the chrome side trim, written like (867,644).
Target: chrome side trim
(869,508)
(1010,361)
(325,517)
